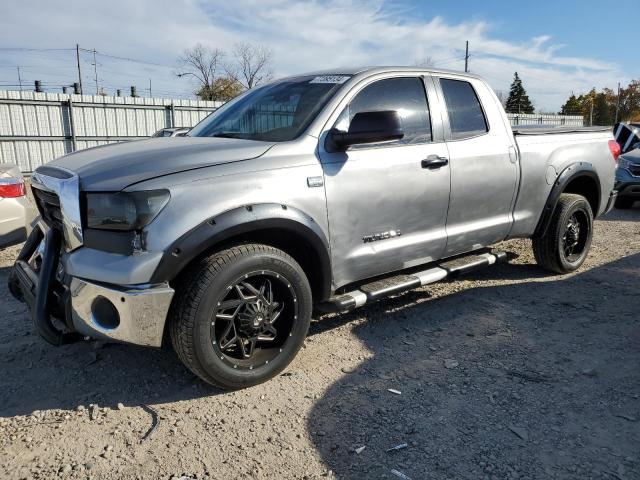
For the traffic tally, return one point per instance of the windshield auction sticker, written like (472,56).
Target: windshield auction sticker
(330,79)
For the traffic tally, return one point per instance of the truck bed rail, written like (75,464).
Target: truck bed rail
(545,130)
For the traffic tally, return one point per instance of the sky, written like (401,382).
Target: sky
(557,47)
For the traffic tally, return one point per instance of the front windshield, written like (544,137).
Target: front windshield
(277,112)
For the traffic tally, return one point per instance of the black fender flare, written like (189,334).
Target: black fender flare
(239,221)
(570,173)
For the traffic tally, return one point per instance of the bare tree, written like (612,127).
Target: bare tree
(424,62)
(251,64)
(202,63)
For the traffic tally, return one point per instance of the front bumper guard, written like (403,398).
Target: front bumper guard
(141,309)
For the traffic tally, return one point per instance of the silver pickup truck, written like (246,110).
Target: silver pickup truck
(323,191)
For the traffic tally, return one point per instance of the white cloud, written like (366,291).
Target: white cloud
(304,36)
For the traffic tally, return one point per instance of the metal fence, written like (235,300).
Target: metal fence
(545,119)
(36,128)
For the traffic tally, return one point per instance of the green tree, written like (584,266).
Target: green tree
(572,106)
(518,101)
(603,111)
(222,89)
(630,102)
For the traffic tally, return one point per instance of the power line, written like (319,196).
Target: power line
(16,49)
(127,59)
(446,61)
(82,77)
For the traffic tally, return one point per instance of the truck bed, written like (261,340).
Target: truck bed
(544,153)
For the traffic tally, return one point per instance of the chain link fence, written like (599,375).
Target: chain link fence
(522,119)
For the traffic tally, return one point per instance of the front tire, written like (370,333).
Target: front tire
(566,243)
(241,315)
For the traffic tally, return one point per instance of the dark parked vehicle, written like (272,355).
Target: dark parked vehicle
(628,178)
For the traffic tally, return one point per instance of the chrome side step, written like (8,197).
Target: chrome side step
(385,287)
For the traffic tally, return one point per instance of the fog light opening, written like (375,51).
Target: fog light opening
(105,314)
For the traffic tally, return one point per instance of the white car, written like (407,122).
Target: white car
(16,211)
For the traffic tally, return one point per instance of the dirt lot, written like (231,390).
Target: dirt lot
(518,375)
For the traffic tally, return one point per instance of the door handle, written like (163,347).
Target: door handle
(433,162)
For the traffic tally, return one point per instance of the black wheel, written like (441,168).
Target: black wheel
(624,202)
(567,241)
(241,315)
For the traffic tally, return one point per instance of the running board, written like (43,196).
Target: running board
(385,287)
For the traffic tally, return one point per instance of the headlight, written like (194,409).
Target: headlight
(124,211)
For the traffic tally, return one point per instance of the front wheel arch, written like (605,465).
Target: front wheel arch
(286,228)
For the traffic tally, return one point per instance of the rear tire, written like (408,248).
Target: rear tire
(624,203)
(241,315)
(566,243)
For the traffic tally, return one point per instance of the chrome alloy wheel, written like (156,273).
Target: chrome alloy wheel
(254,319)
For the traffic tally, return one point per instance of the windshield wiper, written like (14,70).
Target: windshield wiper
(228,135)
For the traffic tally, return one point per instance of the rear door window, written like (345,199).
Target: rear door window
(407,96)
(466,117)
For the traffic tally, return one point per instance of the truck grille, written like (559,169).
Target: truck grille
(49,206)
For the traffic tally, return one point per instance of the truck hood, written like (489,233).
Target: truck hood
(113,167)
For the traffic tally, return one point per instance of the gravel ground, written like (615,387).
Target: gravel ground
(520,374)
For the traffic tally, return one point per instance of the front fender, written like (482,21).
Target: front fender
(240,221)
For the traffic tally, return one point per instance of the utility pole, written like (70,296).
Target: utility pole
(19,78)
(591,114)
(79,72)
(150,91)
(95,69)
(617,104)
(466,58)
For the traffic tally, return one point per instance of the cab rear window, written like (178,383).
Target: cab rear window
(466,117)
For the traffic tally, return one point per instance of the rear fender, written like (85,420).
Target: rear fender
(570,173)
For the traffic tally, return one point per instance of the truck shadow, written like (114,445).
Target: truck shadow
(38,376)
(524,380)
(623,215)
(530,380)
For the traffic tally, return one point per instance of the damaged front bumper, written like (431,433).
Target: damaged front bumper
(64,307)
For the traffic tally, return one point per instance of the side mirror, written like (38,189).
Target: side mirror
(367,127)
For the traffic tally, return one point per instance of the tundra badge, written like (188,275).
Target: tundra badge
(381,236)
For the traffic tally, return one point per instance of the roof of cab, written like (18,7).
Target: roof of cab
(370,70)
